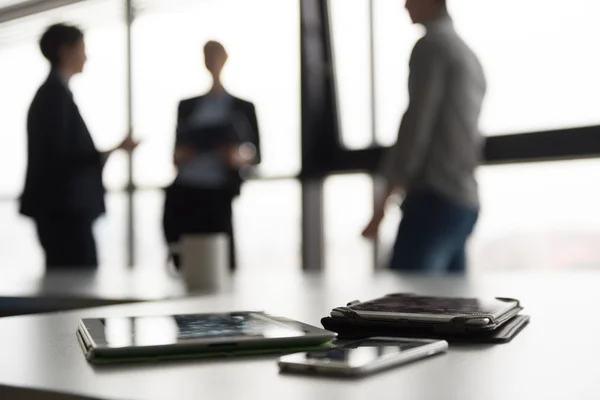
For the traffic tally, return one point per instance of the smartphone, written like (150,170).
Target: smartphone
(362,357)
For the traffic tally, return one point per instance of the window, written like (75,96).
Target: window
(263,67)
(266,219)
(110,232)
(351,49)
(150,245)
(100,91)
(538,56)
(21,72)
(348,207)
(542,215)
(21,253)
(394,39)
(533,216)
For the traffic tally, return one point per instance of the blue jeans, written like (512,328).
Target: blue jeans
(432,235)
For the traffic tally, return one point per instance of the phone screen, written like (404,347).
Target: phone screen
(355,354)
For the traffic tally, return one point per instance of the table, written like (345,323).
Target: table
(59,291)
(555,357)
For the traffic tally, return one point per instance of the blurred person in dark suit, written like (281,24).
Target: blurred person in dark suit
(217,139)
(63,192)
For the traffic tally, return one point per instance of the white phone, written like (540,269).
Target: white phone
(362,357)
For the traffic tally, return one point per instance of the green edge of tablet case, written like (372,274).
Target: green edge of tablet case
(200,356)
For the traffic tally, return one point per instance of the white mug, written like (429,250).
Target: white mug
(204,260)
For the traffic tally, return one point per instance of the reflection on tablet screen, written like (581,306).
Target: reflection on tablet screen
(163,330)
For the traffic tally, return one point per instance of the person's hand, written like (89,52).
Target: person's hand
(183,155)
(129,144)
(238,156)
(372,229)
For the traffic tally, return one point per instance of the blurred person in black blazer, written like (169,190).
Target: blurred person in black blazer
(63,193)
(217,139)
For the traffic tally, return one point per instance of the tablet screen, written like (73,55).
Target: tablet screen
(164,330)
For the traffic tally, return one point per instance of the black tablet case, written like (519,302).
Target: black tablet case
(498,330)
(348,329)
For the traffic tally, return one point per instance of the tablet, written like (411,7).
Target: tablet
(177,336)
(432,309)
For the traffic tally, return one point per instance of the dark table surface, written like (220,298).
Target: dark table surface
(555,357)
(67,290)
